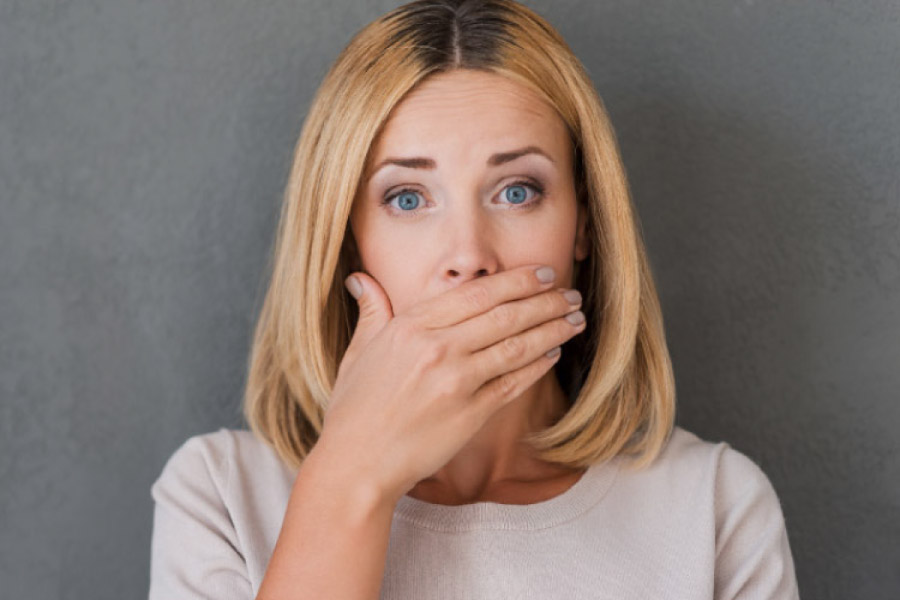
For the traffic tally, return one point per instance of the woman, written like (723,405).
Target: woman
(424,437)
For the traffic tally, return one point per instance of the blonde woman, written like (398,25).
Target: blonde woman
(459,385)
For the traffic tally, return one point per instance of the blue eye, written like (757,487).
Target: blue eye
(515,194)
(518,196)
(407,200)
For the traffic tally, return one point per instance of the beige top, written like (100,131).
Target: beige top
(703,522)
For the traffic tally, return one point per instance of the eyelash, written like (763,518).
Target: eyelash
(534,185)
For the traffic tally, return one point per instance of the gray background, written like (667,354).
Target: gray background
(143,150)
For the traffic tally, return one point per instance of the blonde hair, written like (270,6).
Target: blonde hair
(618,373)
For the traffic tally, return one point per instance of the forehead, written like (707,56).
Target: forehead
(474,108)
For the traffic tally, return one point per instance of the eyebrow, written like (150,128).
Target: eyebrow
(423,162)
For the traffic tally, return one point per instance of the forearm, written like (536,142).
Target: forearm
(334,537)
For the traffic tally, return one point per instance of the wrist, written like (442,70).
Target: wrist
(344,481)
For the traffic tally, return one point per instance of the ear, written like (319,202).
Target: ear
(582,241)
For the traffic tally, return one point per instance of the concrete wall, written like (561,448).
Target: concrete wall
(143,149)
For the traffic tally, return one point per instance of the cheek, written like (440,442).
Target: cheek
(393,270)
(549,240)
(393,255)
(550,236)
(387,250)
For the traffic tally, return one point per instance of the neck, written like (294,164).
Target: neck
(496,454)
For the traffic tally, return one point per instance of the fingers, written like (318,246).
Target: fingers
(517,351)
(515,317)
(507,386)
(477,296)
(375,309)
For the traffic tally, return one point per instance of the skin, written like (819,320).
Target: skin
(460,221)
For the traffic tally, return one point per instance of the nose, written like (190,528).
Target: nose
(471,246)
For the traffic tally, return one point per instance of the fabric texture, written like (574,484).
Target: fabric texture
(702,522)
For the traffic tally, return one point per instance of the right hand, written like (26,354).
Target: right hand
(413,388)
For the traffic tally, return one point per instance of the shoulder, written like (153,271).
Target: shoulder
(734,504)
(702,480)
(686,455)
(214,460)
(745,519)
(204,537)
(721,509)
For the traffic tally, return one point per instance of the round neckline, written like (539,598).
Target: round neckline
(587,491)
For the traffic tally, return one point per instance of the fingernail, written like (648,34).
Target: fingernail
(572,296)
(545,274)
(575,318)
(553,353)
(353,286)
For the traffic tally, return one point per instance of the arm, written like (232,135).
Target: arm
(753,557)
(334,537)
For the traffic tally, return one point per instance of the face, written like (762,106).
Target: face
(448,194)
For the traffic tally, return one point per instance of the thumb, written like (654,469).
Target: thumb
(375,308)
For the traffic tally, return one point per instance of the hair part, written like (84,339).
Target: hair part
(617,374)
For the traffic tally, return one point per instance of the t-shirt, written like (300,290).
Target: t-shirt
(702,522)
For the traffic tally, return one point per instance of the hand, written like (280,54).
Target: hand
(413,388)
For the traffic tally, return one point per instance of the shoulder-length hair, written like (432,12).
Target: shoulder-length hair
(617,373)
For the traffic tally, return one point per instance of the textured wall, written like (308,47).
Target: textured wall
(143,149)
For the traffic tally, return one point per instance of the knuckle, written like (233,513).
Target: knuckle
(563,329)
(514,347)
(406,329)
(506,385)
(555,302)
(433,352)
(505,315)
(527,282)
(476,296)
(449,387)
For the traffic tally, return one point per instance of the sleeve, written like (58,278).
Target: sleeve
(753,557)
(194,549)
